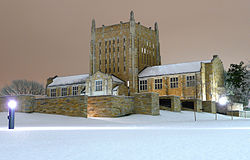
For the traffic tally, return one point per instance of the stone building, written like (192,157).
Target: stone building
(126,58)
(193,80)
(66,86)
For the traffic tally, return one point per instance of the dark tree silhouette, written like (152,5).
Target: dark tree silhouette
(21,87)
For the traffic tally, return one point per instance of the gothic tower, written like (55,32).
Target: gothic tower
(124,50)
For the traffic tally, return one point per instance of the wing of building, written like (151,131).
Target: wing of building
(202,79)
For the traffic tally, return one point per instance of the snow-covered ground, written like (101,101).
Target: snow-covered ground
(172,135)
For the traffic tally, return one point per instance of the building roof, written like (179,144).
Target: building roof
(169,69)
(115,79)
(76,79)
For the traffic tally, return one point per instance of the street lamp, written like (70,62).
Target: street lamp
(128,88)
(223,101)
(12,105)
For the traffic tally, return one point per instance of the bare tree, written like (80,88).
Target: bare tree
(19,87)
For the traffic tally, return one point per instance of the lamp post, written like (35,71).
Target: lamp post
(11,105)
(128,88)
(223,101)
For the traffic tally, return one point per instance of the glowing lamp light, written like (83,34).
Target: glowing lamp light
(223,101)
(12,104)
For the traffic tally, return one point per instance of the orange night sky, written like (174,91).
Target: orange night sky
(43,38)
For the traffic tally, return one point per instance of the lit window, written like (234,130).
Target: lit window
(143,85)
(64,92)
(190,81)
(174,82)
(158,83)
(53,92)
(75,90)
(98,85)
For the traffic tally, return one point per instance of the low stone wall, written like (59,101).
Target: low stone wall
(24,103)
(209,106)
(146,103)
(245,114)
(109,106)
(196,102)
(175,103)
(71,105)
(83,106)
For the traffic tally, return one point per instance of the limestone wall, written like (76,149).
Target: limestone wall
(71,106)
(83,106)
(175,103)
(146,103)
(109,106)
(197,104)
(209,106)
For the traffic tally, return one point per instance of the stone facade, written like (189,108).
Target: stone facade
(147,103)
(171,103)
(108,84)
(83,106)
(69,90)
(71,105)
(209,106)
(110,106)
(245,114)
(192,104)
(116,106)
(124,50)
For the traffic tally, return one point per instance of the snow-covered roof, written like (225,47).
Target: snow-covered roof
(188,67)
(76,79)
(115,79)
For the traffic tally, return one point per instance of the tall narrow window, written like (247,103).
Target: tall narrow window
(158,83)
(98,85)
(100,53)
(109,56)
(75,90)
(190,81)
(118,56)
(53,92)
(105,56)
(64,91)
(143,85)
(174,82)
(113,55)
(124,54)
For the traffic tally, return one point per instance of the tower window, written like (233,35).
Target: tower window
(124,54)
(100,53)
(113,45)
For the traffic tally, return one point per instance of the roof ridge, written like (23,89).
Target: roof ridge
(73,75)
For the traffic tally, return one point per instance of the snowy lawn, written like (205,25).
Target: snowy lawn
(171,135)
